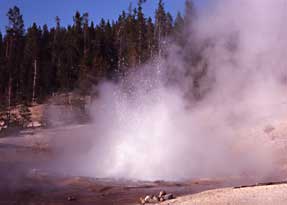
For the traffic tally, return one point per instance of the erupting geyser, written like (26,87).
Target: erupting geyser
(146,127)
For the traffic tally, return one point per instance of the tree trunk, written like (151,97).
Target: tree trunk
(159,49)
(9,82)
(9,98)
(34,82)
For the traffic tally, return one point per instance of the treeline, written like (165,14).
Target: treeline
(40,61)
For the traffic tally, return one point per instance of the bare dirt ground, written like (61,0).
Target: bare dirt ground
(23,179)
(255,195)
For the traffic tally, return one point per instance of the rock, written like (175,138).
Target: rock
(168,197)
(148,199)
(142,201)
(155,199)
(161,194)
(161,199)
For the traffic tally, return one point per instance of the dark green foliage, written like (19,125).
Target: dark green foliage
(41,61)
(16,23)
(160,26)
(189,14)
(178,29)
(14,47)
(31,56)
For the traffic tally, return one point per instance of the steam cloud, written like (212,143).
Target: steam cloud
(146,128)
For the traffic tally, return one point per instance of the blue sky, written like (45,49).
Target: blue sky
(44,11)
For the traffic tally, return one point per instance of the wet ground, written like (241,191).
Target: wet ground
(40,188)
(24,179)
(23,184)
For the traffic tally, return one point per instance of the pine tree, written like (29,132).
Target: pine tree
(16,23)
(160,20)
(77,22)
(43,61)
(46,77)
(58,57)
(84,55)
(169,24)
(31,62)
(1,46)
(189,14)
(13,54)
(2,79)
(86,37)
(110,51)
(160,31)
(121,42)
(150,39)
(178,29)
(131,37)
(141,28)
